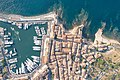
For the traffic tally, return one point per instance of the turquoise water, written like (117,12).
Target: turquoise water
(98,10)
(25,44)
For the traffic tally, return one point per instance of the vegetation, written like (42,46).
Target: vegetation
(3,63)
(4,70)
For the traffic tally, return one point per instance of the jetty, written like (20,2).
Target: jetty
(26,21)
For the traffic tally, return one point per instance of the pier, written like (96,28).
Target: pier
(23,22)
(26,21)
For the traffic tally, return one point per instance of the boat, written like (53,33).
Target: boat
(6,51)
(14,49)
(43,31)
(16,71)
(12,28)
(28,68)
(6,46)
(30,62)
(12,60)
(19,25)
(8,55)
(19,70)
(23,68)
(5,36)
(33,64)
(39,38)
(12,66)
(8,42)
(37,30)
(28,65)
(25,26)
(36,47)
(12,72)
(9,34)
(35,58)
(34,37)
(5,29)
(10,52)
(14,54)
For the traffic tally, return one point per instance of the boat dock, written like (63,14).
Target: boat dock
(12,60)
(19,20)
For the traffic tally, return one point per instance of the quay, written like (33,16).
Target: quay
(19,20)
(64,55)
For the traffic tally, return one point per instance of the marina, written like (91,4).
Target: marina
(23,52)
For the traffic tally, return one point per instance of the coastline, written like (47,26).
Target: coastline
(99,37)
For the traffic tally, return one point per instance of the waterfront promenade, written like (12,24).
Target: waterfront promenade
(30,20)
(26,21)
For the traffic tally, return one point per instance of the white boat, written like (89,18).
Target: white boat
(33,64)
(30,62)
(43,31)
(19,70)
(35,58)
(13,23)
(10,52)
(23,68)
(28,65)
(39,38)
(12,66)
(6,46)
(12,28)
(25,26)
(14,50)
(37,30)
(5,36)
(28,68)
(6,51)
(12,72)
(36,47)
(14,54)
(19,25)
(8,55)
(12,60)
(9,33)
(8,42)
(34,37)
(16,71)
(5,29)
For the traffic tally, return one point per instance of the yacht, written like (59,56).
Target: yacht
(23,68)
(12,28)
(14,49)
(5,36)
(36,49)
(12,60)
(16,71)
(43,31)
(35,58)
(20,71)
(6,46)
(11,52)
